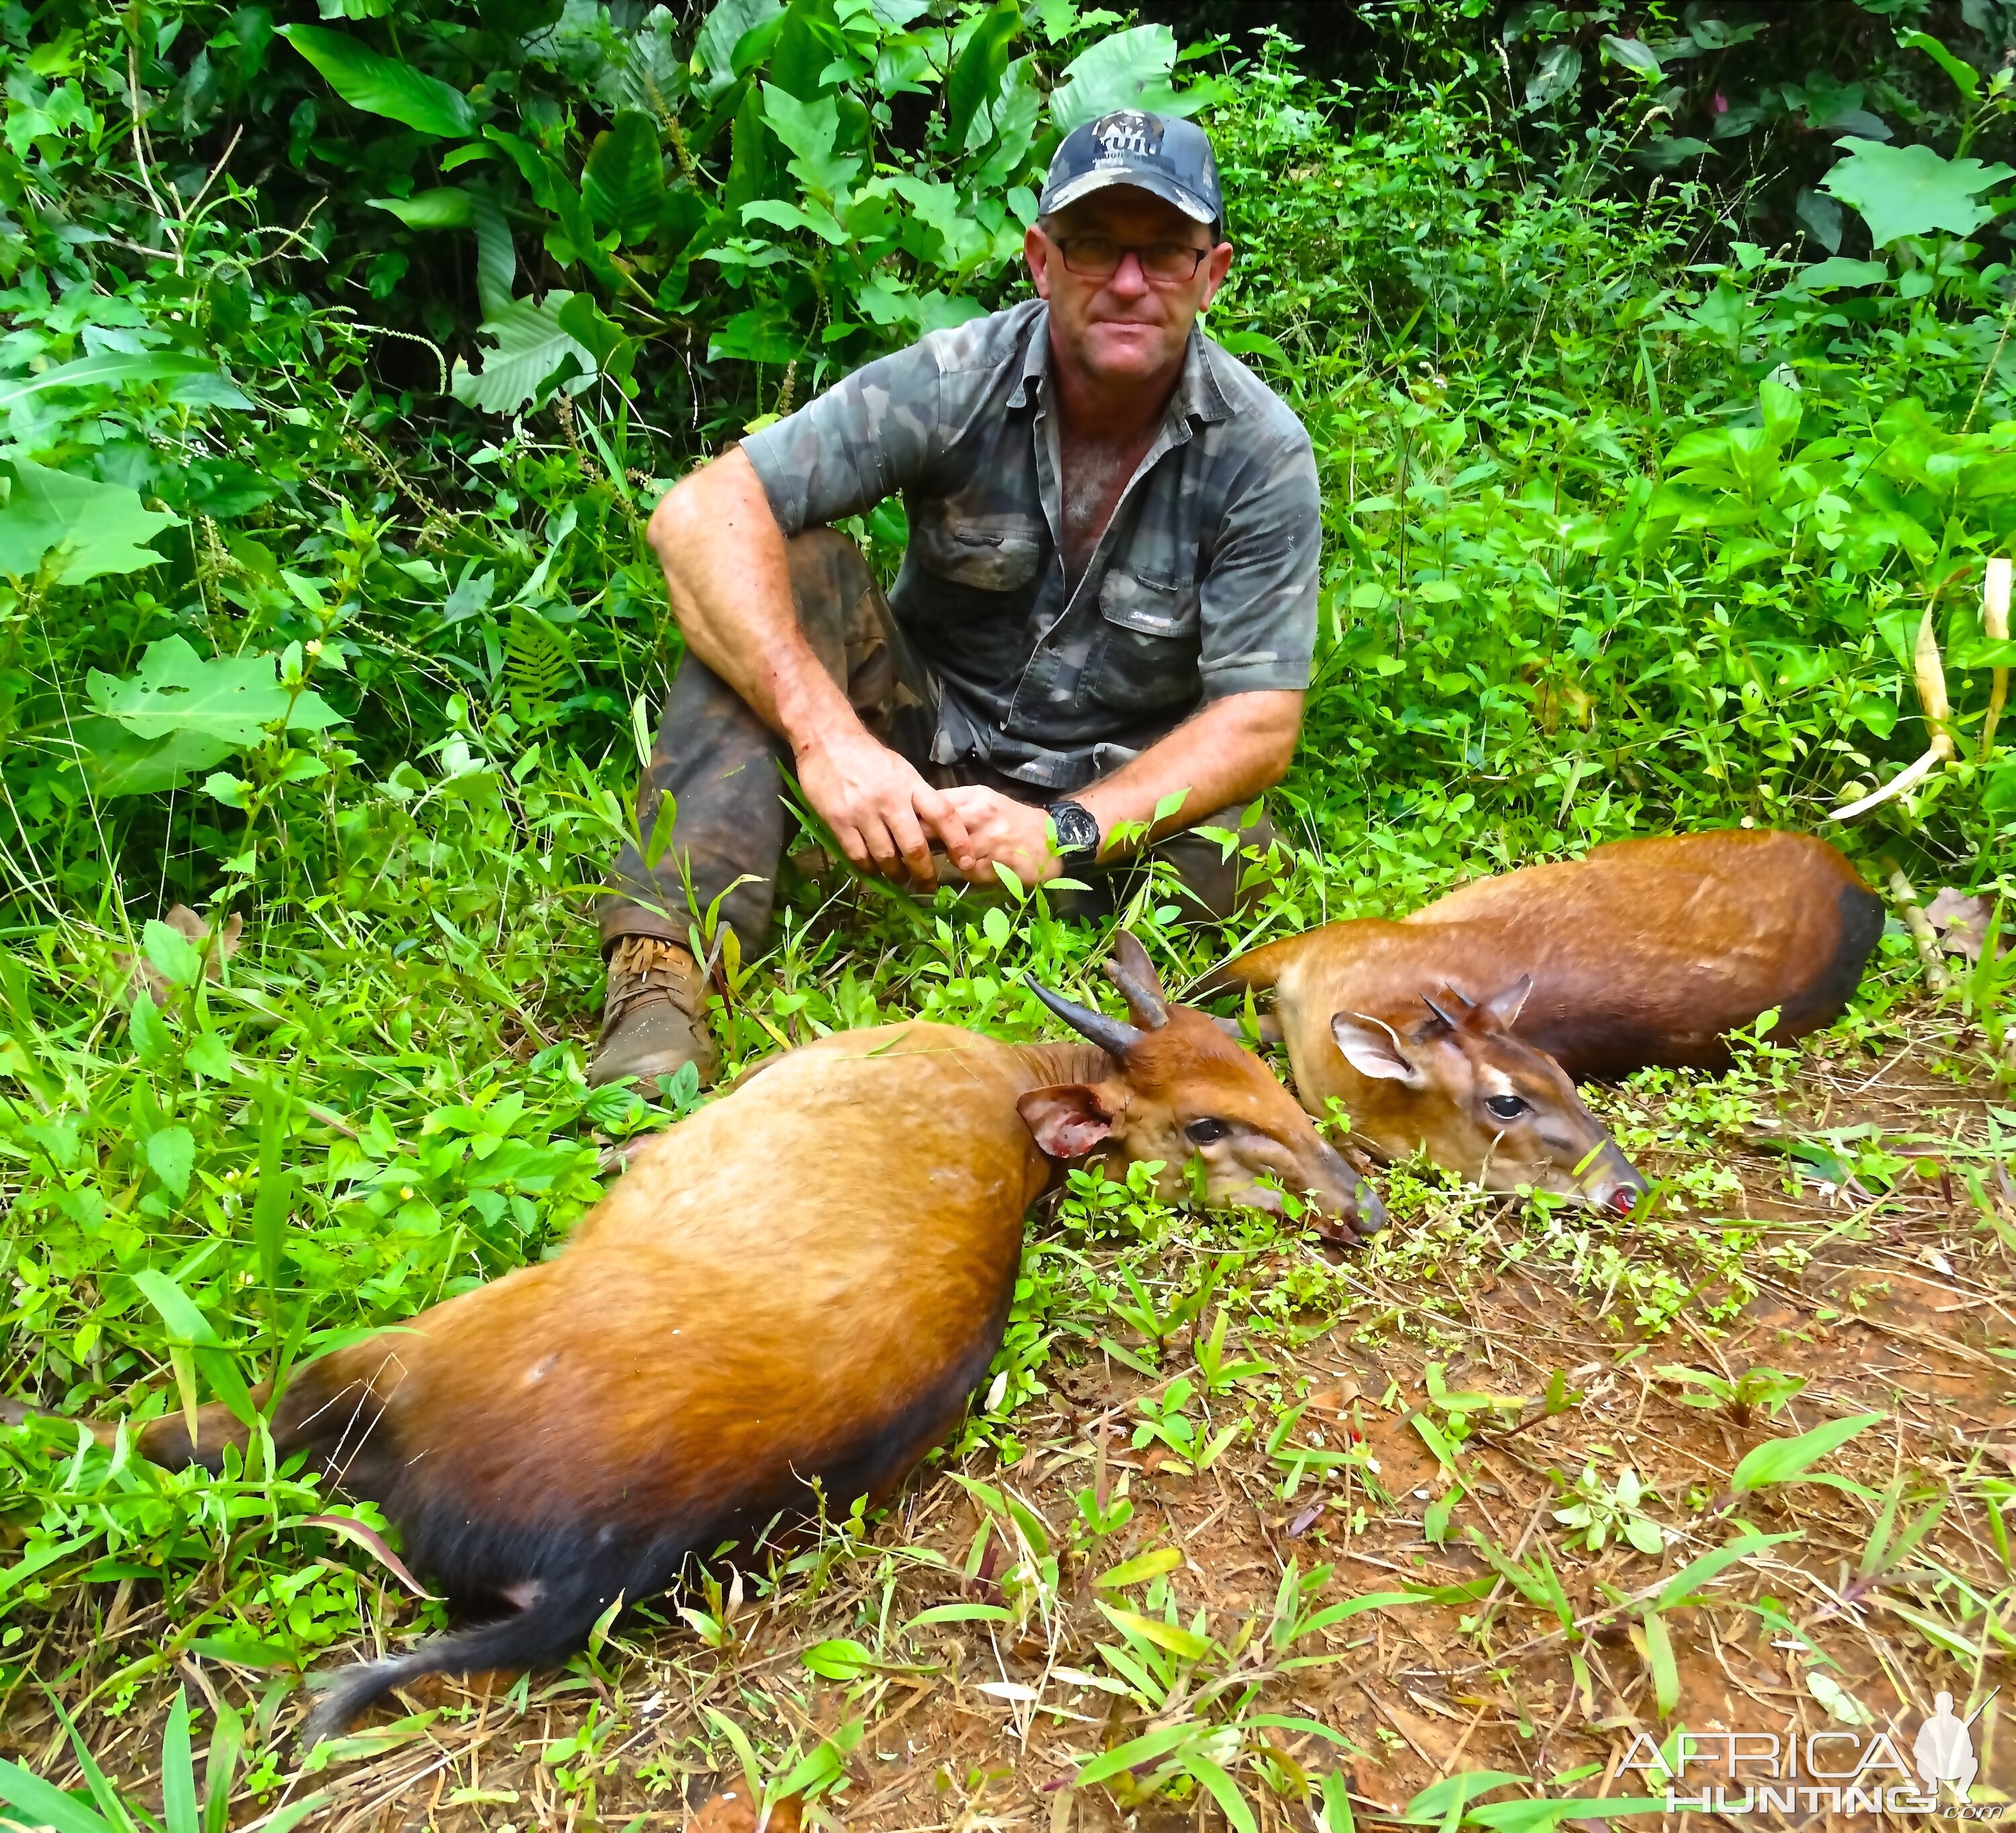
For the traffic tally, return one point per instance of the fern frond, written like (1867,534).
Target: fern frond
(537,663)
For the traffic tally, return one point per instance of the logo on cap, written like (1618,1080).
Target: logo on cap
(1128,131)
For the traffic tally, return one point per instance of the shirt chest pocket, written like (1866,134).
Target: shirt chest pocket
(1147,661)
(981,553)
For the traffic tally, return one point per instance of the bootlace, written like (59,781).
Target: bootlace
(642,967)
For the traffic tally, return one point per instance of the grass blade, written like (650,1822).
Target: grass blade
(1782,1460)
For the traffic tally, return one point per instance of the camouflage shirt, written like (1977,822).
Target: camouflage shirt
(1204,584)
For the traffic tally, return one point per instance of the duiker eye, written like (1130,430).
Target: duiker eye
(1505,1107)
(1201,1132)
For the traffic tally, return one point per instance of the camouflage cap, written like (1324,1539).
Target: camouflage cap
(1169,159)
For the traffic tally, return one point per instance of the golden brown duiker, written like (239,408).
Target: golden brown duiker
(1645,952)
(803,1281)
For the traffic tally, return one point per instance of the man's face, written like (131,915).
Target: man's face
(1129,327)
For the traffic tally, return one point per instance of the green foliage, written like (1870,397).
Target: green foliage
(1788,1460)
(1911,191)
(89,529)
(183,1810)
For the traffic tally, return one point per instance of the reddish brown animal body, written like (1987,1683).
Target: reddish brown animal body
(1645,952)
(803,1281)
(1648,952)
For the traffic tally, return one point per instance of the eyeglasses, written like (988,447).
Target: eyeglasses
(1098,257)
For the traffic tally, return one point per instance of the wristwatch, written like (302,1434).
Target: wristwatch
(1077,833)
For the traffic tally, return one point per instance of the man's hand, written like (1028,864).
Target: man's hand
(880,809)
(1005,832)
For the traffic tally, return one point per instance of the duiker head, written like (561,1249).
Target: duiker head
(1482,1103)
(1182,1092)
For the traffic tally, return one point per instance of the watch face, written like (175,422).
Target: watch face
(1077,831)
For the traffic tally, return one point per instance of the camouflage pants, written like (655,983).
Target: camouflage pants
(720,763)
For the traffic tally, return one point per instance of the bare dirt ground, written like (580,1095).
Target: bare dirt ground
(1853,1610)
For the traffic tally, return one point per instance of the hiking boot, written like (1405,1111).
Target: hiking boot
(654,1016)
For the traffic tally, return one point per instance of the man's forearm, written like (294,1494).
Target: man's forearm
(730,588)
(1230,752)
(730,581)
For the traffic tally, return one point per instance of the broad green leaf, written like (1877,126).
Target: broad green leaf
(447,207)
(532,164)
(1966,78)
(1445,1800)
(1128,70)
(1431,1436)
(1838,270)
(1238,1811)
(1138,1751)
(1141,1568)
(726,26)
(186,1324)
(382,85)
(42,1804)
(1558,71)
(623,183)
(818,219)
(178,1769)
(821,1766)
(275,1189)
(99,528)
(585,322)
(976,78)
(534,351)
(232,699)
(809,130)
(1634,54)
(108,369)
(1665,151)
(1337,1817)
(151,1039)
(941,207)
(1179,1641)
(1691,1577)
(838,1659)
(959,1613)
(761,335)
(208,1054)
(119,764)
(496,259)
(1665,1670)
(1822,217)
(1911,190)
(1782,410)
(177,958)
(1781,1460)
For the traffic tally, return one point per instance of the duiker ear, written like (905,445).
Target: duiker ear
(1371,1048)
(1070,1118)
(1504,1008)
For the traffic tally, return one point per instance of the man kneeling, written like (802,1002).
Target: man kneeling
(1109,596)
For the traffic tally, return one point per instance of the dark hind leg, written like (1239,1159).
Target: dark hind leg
(551,1627)
(166,1440)
(324,1411)
(163,1441)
